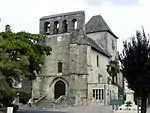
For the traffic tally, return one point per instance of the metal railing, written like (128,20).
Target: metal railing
(60,100)
(41,98)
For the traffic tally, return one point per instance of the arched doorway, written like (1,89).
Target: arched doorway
(60,89)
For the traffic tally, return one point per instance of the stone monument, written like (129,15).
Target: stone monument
(129,105)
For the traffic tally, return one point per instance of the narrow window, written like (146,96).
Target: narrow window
(47,27)
(102,94)
(59,67)
(65,26)
(97,61)
(97,96)
(116,79)
(99,78)
(74,23)
(56,27)
(113,45)
(94,95)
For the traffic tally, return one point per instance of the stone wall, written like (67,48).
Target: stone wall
(111,41)
(79,16)
(96,71)
(72,55)
(100,38)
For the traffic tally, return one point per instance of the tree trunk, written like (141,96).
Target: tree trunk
(113,79)
(137,104)
(144,101)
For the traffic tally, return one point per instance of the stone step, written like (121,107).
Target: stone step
(45,103)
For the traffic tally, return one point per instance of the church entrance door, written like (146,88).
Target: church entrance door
(60,89)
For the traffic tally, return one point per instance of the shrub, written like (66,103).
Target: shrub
(5,97)
(23,96)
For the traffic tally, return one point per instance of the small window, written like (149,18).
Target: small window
(99,78)
(97,61)
(47,27)
(74,23)
(59,67)
(56,27)
(116,79)
(113,45)
(65,26)
(98,94)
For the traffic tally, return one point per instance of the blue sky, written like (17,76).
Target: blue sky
(124,17)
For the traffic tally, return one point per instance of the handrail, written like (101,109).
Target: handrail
(60,98)
(42,97)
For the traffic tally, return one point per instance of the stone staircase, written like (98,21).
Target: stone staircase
(45,103)
(62,101)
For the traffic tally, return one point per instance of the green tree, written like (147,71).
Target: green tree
(5,93)
(20,55)
(113,69)
(135,60)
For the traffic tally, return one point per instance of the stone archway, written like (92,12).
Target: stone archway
(59,89)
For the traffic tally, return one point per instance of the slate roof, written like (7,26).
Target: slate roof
(98,24)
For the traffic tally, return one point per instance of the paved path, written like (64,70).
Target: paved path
(84,109)
(28,110)
(79,109)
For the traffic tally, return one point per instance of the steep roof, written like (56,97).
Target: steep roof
(98,24)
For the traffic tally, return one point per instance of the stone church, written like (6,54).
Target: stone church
(75,72)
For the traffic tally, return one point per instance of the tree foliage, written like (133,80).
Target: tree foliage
(113,69)
(23,96)
(20,55)
(135,59)
(6,93)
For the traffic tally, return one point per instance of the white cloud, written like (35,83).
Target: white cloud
(124,20)
(116,2)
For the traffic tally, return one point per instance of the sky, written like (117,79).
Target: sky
(124,17)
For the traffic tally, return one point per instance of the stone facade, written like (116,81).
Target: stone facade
(78,60)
